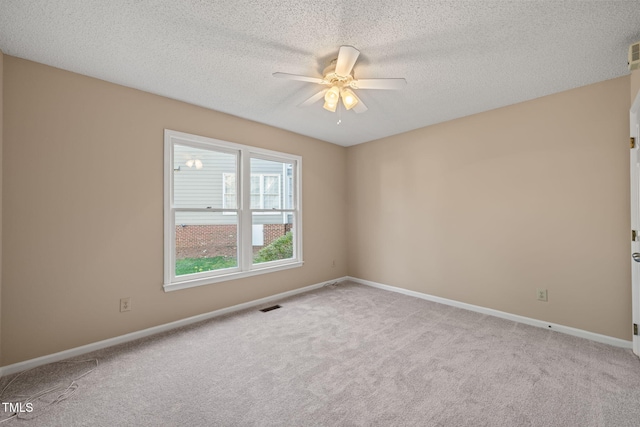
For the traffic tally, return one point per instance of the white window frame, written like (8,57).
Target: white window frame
(245,267)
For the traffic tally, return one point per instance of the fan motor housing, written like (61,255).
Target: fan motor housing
(330,76)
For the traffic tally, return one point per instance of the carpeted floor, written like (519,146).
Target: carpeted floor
(348,355)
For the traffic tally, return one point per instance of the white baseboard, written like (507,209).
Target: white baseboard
(77,351)
(516,318)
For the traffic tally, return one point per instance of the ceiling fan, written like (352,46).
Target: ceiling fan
(338,76)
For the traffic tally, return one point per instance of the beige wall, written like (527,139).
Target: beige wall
(487,208)
(83,174)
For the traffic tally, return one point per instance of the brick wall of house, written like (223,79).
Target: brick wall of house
(273,231)
(205,241)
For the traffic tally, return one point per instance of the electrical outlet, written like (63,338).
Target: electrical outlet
(125,304)
(542,294)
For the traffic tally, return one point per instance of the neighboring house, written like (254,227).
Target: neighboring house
(207,180)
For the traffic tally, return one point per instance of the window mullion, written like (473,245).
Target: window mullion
(246,247)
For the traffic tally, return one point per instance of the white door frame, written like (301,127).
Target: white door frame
(634,132)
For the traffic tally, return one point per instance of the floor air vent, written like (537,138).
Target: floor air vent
(273,307)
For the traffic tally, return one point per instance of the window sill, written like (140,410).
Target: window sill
(185,284)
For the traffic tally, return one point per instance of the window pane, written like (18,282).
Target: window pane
(272,237)
(196,178)
(205,241)
(272,177)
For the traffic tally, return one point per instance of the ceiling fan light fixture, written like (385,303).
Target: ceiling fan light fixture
(349,99)
(340,82)
(332,96)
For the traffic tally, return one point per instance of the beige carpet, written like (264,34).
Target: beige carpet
(349,355)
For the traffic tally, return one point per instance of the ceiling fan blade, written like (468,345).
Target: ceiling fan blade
(297,77)
(313,99)
(390,84)
(347,57)
(359,107)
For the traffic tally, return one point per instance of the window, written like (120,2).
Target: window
(231,211)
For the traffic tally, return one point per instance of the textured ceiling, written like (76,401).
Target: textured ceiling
(458,57)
